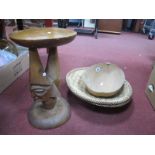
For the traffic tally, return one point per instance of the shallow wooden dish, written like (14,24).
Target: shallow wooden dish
(43,37)
(104,80)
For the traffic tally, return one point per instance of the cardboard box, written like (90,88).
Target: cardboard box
(10,72)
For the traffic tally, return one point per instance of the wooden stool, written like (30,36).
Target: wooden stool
(49,110)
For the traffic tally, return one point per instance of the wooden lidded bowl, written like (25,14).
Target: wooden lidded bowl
(104,80)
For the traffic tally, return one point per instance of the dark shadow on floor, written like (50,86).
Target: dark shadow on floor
(99,115)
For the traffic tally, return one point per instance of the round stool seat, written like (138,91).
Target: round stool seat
(43,37)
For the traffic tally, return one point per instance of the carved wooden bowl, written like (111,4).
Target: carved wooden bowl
(43,37)
(104,80)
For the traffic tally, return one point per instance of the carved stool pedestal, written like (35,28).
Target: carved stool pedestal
(43,118)
(49,109)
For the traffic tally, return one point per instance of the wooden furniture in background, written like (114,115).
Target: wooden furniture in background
(110,25)
(48,22)
(50,109)
(138,26)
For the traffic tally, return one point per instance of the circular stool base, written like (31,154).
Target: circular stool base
(49,118)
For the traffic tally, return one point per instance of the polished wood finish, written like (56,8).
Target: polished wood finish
(43,37)
(110,25)
(52,67)
(41,82)
(50,109)
(104,80)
